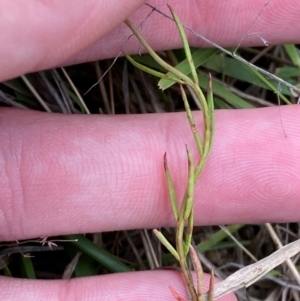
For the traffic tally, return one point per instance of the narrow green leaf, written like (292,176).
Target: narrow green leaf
(185,46)
(199,57)
(190,187)
(220,235)
(191,121)
(165,242)
(275,89)
(189,233)
(171,188)
(151,71)
(147,60)
(74,97)
(221,104)
(293,53)
(7,272)
(210,102)
(287,72)
(223,92)
(156,57)
(237,70)
(86,266)
(27,267)
(110,262)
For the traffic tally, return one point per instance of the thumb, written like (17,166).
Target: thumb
(43,34)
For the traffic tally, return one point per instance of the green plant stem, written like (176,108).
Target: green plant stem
(182,260)
(185,215)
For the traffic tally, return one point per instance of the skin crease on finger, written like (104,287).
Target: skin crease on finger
(75,32)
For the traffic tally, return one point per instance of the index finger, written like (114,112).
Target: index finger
(77,174)
(87,32)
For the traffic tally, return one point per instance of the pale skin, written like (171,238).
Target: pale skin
(60,175)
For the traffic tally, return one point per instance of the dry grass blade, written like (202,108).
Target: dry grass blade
(211,286)
(70,268)
(36,94)
(199,271)
(232,54)
(251,273)
(289,262)
(238,243)
(165,242)
(75,90)
(7,99)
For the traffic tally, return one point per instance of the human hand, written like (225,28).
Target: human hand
(73,189)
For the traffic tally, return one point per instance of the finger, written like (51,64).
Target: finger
(227,23)
(149,285)
(43,34)
(224,22)
(77,174)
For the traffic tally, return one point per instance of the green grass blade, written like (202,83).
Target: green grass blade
(288,72)
(188,202)
(27,267)
(86,266)
(223,92)
(210,104)
(7,272)
(156,57)
(151,71)
(110,262)
(165,242)
(221,104)
(74,97)
(199,57)
(189,232)
(269,84)
(171,188)
(185,46)
(147,60)
(191,121)
(239,71)
(214,239)
(293,53)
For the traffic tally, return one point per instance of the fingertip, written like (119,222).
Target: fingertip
(43,34)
